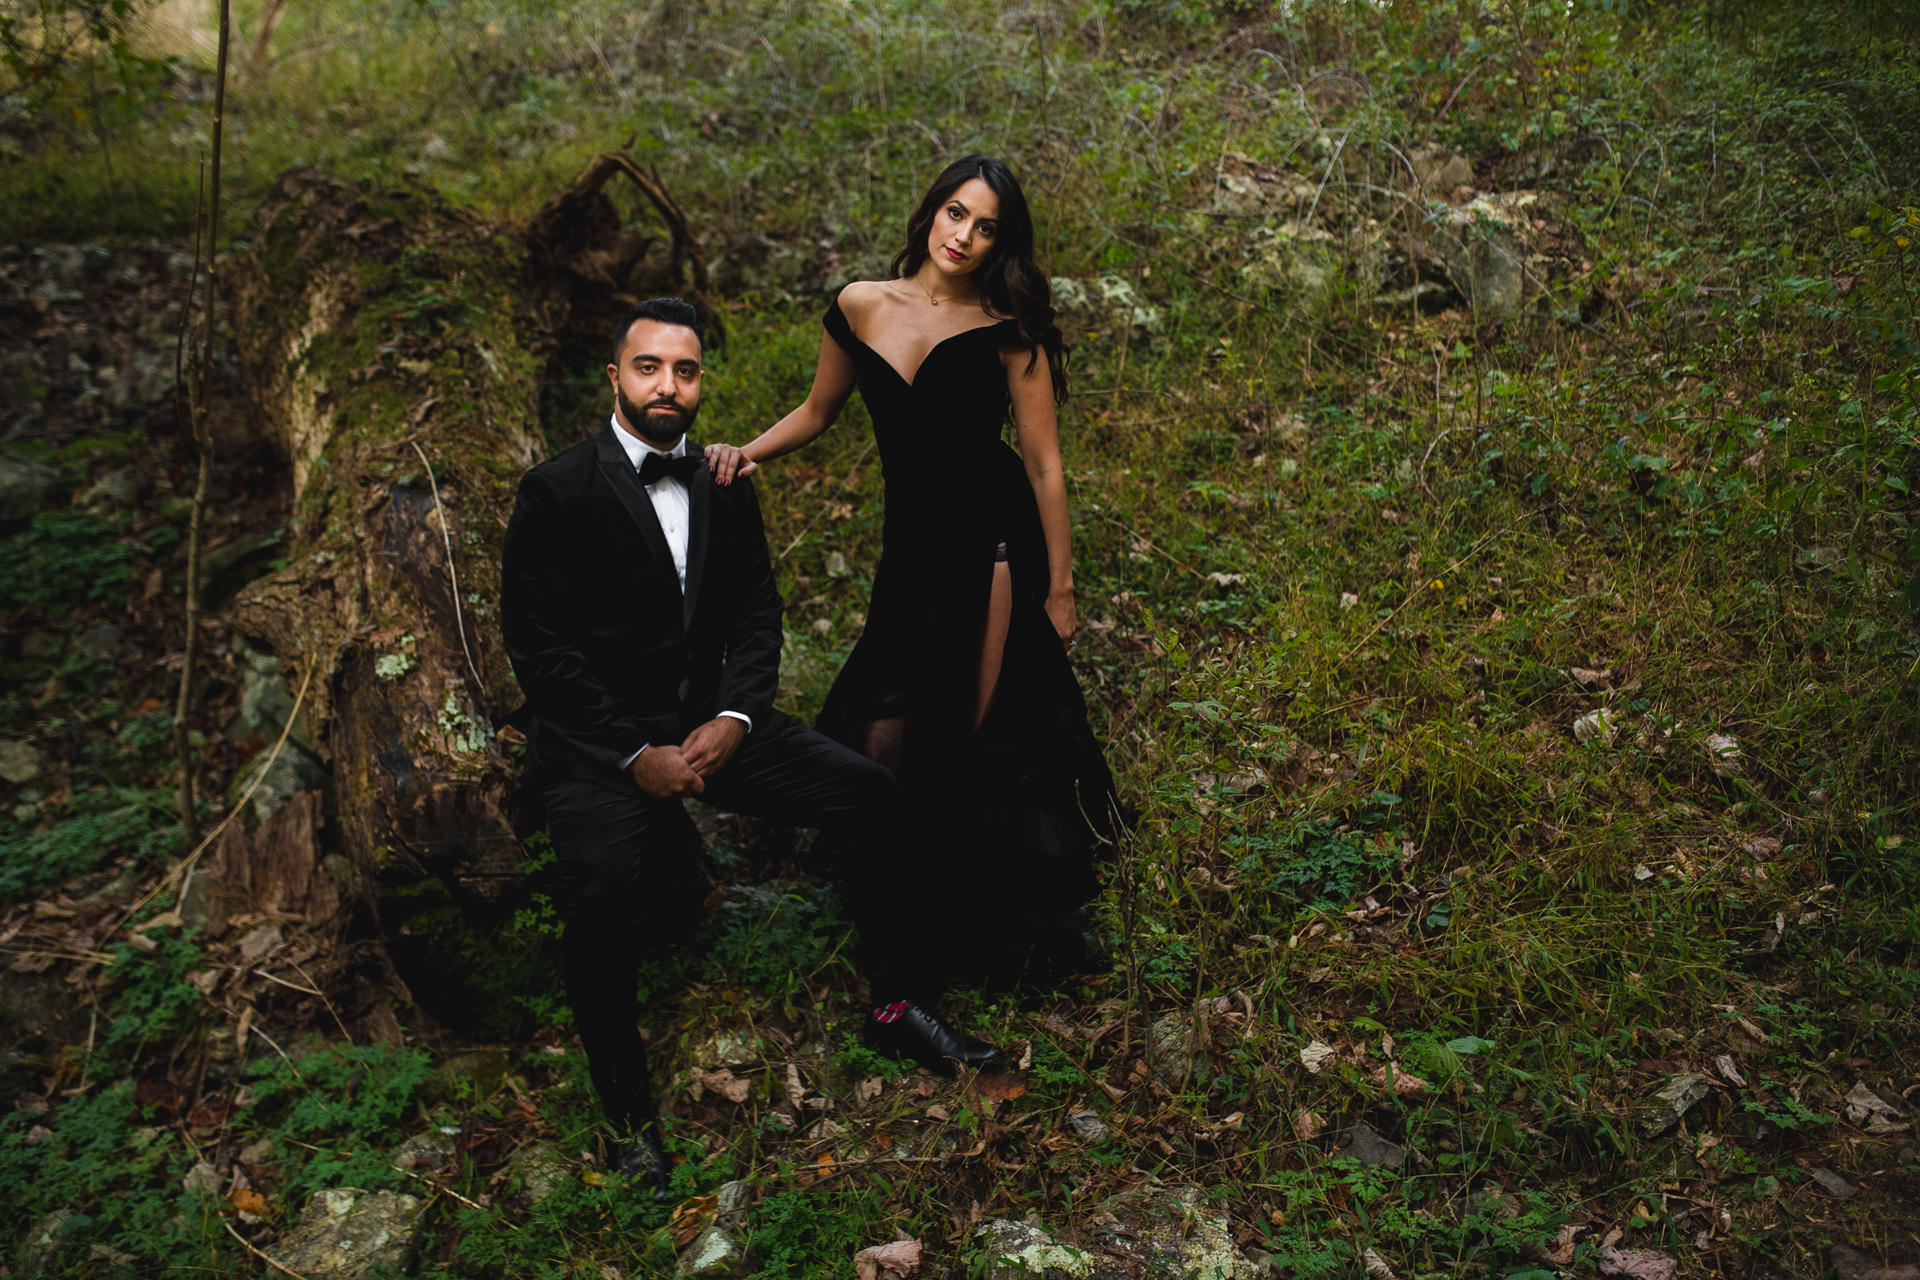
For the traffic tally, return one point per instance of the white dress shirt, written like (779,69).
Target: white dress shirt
(673,507)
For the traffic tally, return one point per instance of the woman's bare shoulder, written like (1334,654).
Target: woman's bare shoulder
(863,298)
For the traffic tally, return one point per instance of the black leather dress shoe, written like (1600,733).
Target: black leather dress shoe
(919,1034)
(636,1157)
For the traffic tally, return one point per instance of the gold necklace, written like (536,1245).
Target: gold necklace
(922,288)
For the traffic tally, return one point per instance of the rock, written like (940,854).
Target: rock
(19,761)
(346,1233)
(1496,251)
(1105,303)
(1087,1125)
(541,1169)
(728,1048)
(1250,189)
(433,1149)
(1680,1095)
(1171,1052)
(1167,1232)
(1851,1264)
(1439,172)
(1293,259)
(26,487)
(264,700)
(290,773)
(732,1201)
(477,1073)
(1370,1149)
(1025,1251)
(712,1253)
(44,1241)
(114,491)
(1832,1183)
(101,642)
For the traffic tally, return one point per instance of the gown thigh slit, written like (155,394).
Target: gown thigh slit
(993,641)
(960,677)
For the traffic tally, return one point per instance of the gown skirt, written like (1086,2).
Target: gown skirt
(1007,820)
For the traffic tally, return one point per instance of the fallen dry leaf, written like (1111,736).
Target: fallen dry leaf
(1871,1111)
(1723,754)
(1404,1084)
(999,1086)
(1377,1266)
(1308,1125)
(796,1092)
(869,1089)
(1589,677)
(248,1201)
(895,1261)
(1317,1056)
(690,1218)
(1595,725)
(722,1083)
(1562,1252)
(1639,1264)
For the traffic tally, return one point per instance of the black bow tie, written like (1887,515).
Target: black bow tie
(657,466)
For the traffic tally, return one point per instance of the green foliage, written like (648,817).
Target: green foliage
(63,560)
(152,997)
(114,1177)
(95,824)
(813,1236)
(771,941)
(347,1103)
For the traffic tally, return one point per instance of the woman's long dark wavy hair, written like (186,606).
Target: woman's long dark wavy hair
(1011,282)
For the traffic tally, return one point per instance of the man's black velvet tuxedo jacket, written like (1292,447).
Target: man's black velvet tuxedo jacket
(609,652)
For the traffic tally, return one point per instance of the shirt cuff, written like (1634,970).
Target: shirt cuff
(628,762)
(731,715)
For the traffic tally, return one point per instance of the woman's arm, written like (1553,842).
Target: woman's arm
(1037,425)
(832,384)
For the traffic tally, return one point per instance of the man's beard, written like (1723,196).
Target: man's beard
(657,428)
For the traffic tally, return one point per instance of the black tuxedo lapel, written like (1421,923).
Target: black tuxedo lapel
(632,494)
(699,515)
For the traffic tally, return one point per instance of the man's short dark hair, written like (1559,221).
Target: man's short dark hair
(664,310)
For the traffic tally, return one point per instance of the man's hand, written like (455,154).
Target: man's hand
(665,774)
(708,748)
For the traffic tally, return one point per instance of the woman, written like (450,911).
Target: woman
(960,682)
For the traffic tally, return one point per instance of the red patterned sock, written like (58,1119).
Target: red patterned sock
(885,1013)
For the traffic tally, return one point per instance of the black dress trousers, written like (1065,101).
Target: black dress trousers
(631,884)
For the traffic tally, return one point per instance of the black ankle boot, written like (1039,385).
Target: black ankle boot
(634,1155)
(907,1030)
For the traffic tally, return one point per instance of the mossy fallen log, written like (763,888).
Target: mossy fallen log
(392,348)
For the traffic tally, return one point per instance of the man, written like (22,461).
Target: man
(640,613)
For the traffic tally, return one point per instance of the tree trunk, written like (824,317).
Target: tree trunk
(392,349)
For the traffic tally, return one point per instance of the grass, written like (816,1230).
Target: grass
(1341,565)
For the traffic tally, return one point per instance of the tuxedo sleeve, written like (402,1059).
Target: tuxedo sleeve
(540,619)
(751,677)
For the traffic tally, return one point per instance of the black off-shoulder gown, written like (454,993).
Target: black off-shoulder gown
(1009,818)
